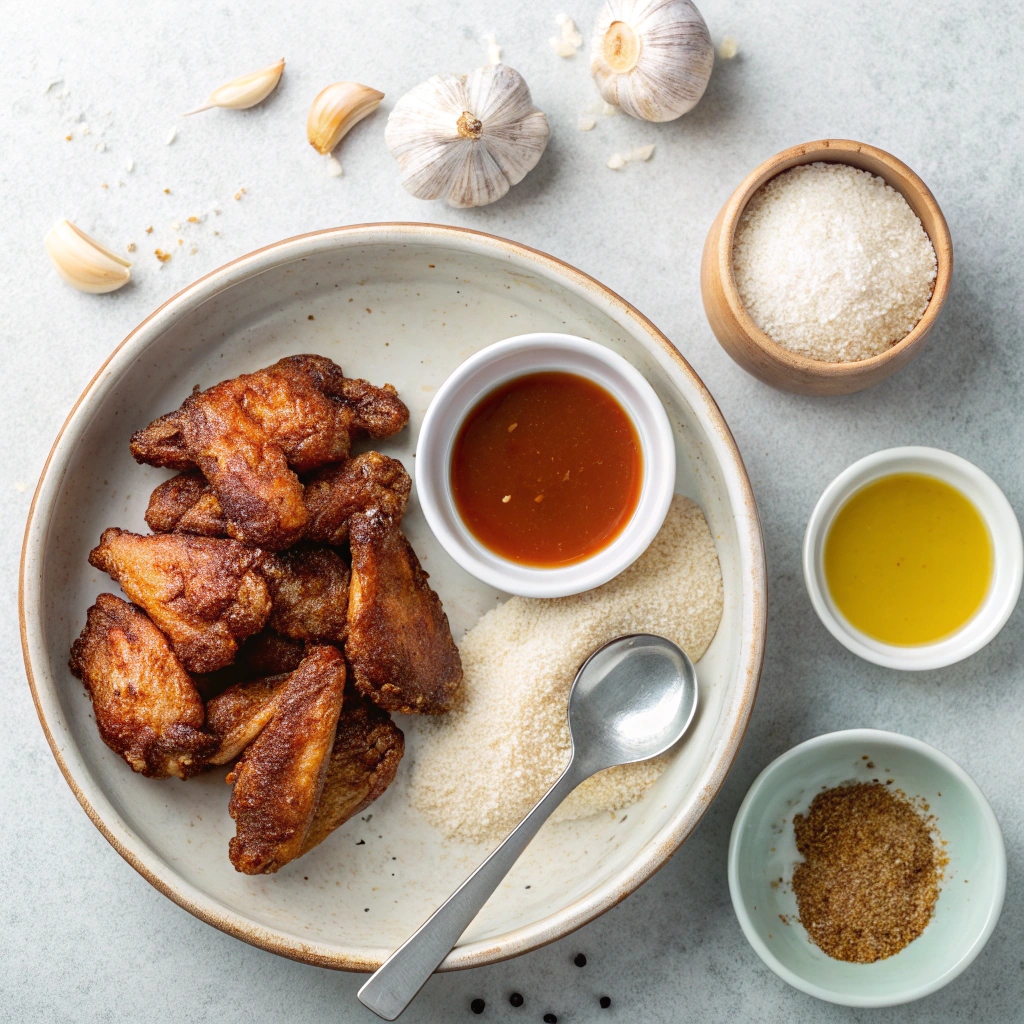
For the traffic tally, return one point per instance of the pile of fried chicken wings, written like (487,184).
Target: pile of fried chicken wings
(277,614)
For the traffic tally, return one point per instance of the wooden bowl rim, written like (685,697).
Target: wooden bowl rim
(825,150)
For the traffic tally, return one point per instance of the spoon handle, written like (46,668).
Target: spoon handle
(396,982)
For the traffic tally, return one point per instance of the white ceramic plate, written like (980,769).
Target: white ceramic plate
(403,303)
(763,850)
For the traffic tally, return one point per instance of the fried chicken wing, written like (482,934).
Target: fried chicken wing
(186,504)
(364,761)
(250,435)
(241,713)
(265,654)
(270,654)
(399,643)
(309,588)
(205,594)
(146,707)
(334,494)
(279,778)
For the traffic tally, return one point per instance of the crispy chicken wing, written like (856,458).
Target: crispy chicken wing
(367,749)
(241,713)
(251,434)
(309,588)
(335,493)
(186,504)
(265,654)
(205,594)
(399,643)
(146,707)
(279,778)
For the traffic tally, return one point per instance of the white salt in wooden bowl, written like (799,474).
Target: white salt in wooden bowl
(749,345)
(404,303)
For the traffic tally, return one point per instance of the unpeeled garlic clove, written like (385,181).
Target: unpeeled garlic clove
(336,111)
(83,262)
(652,58)
(245,91)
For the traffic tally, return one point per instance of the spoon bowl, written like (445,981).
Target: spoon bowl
(631,699)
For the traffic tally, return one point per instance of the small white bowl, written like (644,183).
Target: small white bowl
(762,849)
(482,373)
(1007,554)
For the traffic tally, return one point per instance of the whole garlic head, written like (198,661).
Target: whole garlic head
(467,139)
(652,58)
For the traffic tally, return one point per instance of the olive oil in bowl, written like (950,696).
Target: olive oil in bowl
(908,559)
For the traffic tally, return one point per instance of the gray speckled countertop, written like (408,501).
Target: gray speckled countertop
(82,936)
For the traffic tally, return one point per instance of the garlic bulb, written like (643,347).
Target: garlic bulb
(467,139)
(336,110)
(652,58)
(83,262)
(245,91)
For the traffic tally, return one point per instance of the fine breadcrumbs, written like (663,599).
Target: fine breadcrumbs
(831,263)
(483,766)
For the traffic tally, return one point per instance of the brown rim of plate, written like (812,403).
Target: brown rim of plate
(896,174)
(657,851)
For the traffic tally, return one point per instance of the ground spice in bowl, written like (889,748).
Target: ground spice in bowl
(869,880)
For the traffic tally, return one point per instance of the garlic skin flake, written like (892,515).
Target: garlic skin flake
(245,91)
(467,139)
(652,58)
(83,262)
(336,110)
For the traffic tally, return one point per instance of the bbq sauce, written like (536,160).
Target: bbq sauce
(547,469)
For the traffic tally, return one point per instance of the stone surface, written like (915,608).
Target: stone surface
(82,937)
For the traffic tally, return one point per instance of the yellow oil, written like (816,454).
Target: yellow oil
(908,559)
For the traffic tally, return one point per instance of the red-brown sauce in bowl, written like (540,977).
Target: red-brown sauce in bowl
(547,469)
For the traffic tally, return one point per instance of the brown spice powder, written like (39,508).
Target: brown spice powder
(870,877)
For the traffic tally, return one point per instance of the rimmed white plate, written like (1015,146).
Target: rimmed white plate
(403,303)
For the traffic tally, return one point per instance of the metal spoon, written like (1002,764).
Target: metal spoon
(632,699)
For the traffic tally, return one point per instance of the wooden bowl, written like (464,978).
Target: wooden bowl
(749,345)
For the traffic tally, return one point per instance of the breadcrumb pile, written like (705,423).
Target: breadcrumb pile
(484,765)
(832,263)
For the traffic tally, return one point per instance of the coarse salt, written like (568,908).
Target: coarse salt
(480,768)
(832,263)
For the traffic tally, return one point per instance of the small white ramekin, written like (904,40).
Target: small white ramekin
(482,373)
(1007,552)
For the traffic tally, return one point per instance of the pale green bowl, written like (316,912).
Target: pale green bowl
(763,849)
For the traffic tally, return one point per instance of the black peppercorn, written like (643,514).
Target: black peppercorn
(516,999)
(605,1002)
(477,1006)
(580,960)
(550,1018)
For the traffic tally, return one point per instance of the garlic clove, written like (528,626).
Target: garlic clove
(652,58)
(245,91)
(336,110)
(83,262)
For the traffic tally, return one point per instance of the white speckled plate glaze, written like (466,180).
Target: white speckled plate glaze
(403,303)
